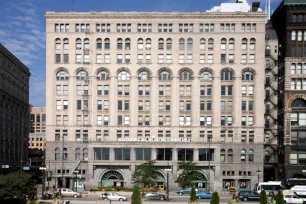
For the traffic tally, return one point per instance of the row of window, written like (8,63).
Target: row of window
(162,44)
(163,120)
(165,27)
(298,68)
(226,74)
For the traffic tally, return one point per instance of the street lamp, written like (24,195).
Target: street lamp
(76,180)
(168,170)
(43,169)
(258,172)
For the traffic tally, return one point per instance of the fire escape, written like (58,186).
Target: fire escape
(271,110)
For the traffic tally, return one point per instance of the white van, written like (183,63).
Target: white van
(299,190)
(290,197)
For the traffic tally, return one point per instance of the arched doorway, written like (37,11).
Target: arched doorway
(112,178)
(201,182)
(160,181)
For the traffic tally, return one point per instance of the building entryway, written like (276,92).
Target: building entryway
(112,178)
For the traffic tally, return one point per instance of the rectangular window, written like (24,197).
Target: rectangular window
(181,58)
(210,58)
(66,58)
(57,58)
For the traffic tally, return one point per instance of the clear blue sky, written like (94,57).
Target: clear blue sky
(22,26)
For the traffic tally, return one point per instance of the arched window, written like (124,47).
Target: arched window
(161,44)
(247,76)
(66,44)
(62,75)
(298,103)
(231,44)
(128,44)
(65,153)
(57,154)
(86,44)
(169,44)
(78,44)
(230,155)
(58,44)
(148,44)
(226,75)
(103,75)
(210,44)
(123,76)
(164,76)
(99,43)
(244,44)
(189,44)
(185,75)
(77,154)
(251,155)
(107,44)
(202,44)
(206,76)
(140,44)
(82,75)
(181,44)
(144,75)
(223,44)
(243,155)
(222,155)
(252,44)
(119,44)
(85,154)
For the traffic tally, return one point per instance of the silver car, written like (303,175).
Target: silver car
(66,192)
(113,196)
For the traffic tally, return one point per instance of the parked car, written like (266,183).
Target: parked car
(248,195)
(155,196)
(113,196)
(204,195)
(66,192)
(185,191)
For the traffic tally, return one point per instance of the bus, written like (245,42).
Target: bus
(270,187)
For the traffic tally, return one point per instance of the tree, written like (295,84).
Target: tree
(188,175)
(135,199)
(279,197)
(15,184)
(145,174)
(263,197)
(193,195)
(215,198)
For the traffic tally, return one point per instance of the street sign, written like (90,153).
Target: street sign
(5,166)
(26,168)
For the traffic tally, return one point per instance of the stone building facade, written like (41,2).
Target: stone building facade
(37,136)
(14,111)
(292,86)
(126,87)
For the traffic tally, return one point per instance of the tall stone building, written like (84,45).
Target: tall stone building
(289,21)
(126,87)
(14,111)
(37,136)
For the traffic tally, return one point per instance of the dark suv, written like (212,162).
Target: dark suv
(248,195)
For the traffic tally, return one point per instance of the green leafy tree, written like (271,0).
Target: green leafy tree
(215,198)
(188,175)
(279,197)
(136,199)
(145,174)
(263,197)
(193,195)
(15,184)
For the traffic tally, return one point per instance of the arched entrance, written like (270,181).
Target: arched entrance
(112,178)
(201,182)
(160,181)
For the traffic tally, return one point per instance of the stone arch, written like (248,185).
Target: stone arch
(292,98)
(61,69)
(123,69)
(248,69)
(186,69)
(227,69)
(206,69)
(146,70)
(81,69)
(103,69)
(111,175)
(165,69)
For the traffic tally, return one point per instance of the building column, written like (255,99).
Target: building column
(195,154)
(133,158)
(174,102)
(196,102)
(216,97)
(174,154)
(154,101)
(237,102)
(154,157)
(133,101)
(113,107)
